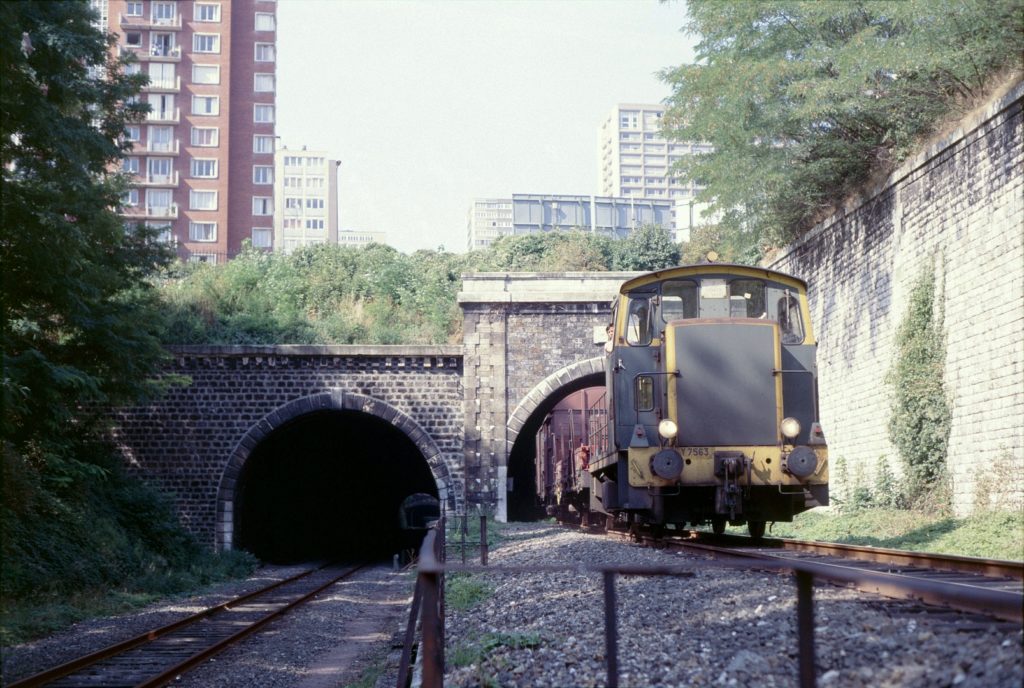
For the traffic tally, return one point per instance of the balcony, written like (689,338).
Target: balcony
(167,116)
(172,147)
(158,180)
(164,86)
(133,22)
(152,212)
(155,53)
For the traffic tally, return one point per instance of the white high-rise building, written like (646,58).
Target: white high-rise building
(635,160)
(306,198)
(488,219)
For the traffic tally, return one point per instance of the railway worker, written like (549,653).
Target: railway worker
(583,456)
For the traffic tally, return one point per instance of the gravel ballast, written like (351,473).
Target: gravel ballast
(721,626)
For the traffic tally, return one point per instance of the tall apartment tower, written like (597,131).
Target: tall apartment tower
(487,220)
(204,158)
(306,195)
(635,160)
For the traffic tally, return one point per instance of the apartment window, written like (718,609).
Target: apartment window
(262,237)
(263,83)
(133,39)
(314,162)
(205,136)
(162,231)
(133,9)
(205,74)
(292,223)
(202,200)
(162,44)
(158,169)
(262,205)
(292,182)
(206,42)
(134,68)
(163,12)
(133,132)
(314,203)
(262,174)
(292,161)
(204,168)
(161,75)
(264,21)
(130,165)
(205,105)
(158,202)
(314,182)
(130,198)
(314,224)
(206,12)
(207,258)
(160,139)
(263,113)
(264,52)
(202,231)
(262,144)
(292,203)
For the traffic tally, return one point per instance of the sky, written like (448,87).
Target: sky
(431,104)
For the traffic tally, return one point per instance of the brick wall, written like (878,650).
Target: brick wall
(959,206)
(194,439)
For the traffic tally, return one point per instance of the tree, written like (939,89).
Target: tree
(647,248)
(804,101)
(79,324)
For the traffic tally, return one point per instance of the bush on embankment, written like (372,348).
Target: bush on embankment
(97,545)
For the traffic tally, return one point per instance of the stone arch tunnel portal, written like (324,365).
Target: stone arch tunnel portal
(523,503)
(326,485)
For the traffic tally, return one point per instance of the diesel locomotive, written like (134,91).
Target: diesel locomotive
(710,409)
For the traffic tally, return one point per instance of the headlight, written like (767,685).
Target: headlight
(668,429)
(790,427)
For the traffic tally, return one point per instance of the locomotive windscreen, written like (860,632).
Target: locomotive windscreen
(726,392)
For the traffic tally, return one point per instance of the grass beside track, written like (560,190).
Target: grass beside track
(991,535)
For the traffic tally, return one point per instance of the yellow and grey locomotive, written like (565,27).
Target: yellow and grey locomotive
(712,401)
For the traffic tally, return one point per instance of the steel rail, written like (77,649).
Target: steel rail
(1003,604)
(993,568)
(77,664)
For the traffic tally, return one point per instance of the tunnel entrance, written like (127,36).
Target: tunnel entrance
(328,485)
(523,501)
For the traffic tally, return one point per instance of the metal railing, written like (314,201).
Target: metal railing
(429,599)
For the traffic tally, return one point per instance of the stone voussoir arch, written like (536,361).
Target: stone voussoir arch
(335,400)
(544,389)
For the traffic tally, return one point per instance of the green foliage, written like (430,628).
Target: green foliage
(803,101)
(463,592)
(920,417)
(374,295)
(475,653)
(992,534)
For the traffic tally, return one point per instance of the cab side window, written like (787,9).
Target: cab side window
(791,327)
(638,321)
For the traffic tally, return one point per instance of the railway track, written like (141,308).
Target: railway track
(993,588)
(159,655)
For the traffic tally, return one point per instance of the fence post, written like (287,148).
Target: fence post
(611,630)
(805,627)
(483,541)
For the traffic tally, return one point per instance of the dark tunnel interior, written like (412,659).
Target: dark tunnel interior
(523,502)
(328,486)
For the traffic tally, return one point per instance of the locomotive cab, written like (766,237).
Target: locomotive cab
(712,390)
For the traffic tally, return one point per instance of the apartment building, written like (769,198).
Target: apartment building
(356,239)
(306,196)
(203,160)
(635,161)
(488,219)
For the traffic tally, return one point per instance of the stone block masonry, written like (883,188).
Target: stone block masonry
(185,442)
(958,206)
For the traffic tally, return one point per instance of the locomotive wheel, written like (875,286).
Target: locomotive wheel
(756,529)
(718,526)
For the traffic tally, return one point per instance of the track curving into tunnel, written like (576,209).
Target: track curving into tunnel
(328,485)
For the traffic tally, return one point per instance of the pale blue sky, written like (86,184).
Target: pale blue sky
(430,104)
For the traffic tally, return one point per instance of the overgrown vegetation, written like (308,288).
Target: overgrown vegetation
(463,591)
(805,101)
(921,415)
(372,295)
(990,534)
(81,329)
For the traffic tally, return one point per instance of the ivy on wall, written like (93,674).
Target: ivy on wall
(920,418)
